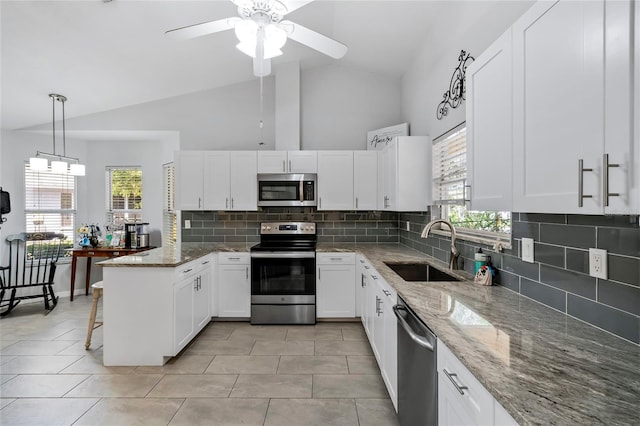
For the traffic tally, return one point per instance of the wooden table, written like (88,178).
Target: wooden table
(95,252)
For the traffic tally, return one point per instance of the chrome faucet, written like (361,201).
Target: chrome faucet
(453,260)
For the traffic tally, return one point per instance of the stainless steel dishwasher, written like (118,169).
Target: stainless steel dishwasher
(417,370)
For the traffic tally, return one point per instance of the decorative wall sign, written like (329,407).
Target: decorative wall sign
(378,139)
(457,87)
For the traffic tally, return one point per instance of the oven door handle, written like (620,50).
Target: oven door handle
(284,255)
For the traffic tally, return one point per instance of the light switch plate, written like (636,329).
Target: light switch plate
(598,263)
(187,224)
(527,250)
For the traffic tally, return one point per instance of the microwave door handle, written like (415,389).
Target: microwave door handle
(301,191)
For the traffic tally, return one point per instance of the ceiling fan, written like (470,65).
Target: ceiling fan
(262,32)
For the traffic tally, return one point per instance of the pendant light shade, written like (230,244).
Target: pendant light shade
(59,163)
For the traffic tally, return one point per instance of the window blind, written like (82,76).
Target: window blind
(169,216)
(450,167)
(50,202)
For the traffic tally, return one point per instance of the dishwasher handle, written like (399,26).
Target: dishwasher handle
(405,325)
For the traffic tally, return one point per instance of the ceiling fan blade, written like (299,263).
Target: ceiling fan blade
(292,5)
(314,40)
(199,30)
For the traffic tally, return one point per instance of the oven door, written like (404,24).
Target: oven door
(276,276)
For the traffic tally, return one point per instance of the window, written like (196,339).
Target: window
(50,203)
(449,183)
(124,194)
(169,217)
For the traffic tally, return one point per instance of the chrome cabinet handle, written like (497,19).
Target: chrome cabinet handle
(233,258)
(605,177)
(231,202)
(407,328)
(289,165)
(333,259)
(386,293)
(226,203)
(356,202)
(284,168)
(362,283)
(581,171)
(186,270)
(460,388)
(247,273)
(320,203)
(205,262)
(199,202)
(319,274)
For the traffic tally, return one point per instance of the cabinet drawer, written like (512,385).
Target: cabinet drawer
(471,395)
(335,258)
(234,258)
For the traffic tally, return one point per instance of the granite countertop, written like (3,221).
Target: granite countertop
(174,256)
(541,365)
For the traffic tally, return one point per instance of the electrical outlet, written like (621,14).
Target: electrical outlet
(187,224)
(598,263)
(527,250)
(408,226)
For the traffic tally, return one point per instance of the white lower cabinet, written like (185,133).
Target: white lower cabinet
(234,285)
(191,301)
(335,288)
(462,400)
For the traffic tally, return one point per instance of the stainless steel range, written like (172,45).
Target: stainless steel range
(283,274)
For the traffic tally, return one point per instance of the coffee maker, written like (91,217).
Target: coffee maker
(130,235)
(142,231)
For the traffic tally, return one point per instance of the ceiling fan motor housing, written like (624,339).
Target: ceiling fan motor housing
(262,11)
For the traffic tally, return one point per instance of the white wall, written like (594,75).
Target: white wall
(472,27)
(339,106)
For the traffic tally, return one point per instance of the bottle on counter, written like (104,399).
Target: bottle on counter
(481,259)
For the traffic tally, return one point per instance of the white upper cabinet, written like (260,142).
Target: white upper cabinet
(489,130)
(216,180)
(189,180)
(243,188)
(572,112)
(404,180)
(365,180)
(287,162)
(335,180)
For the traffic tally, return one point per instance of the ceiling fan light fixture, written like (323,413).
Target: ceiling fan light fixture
(246,30)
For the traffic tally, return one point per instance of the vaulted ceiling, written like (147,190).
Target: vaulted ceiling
(106,55)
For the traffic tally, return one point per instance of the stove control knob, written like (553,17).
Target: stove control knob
(268,228)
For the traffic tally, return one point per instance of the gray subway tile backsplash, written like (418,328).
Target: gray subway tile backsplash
(572,282)
(613,320)
(620,241)
(621,296)
(624,269)
(546,294)
(578,260)
(551,255)
(568,235)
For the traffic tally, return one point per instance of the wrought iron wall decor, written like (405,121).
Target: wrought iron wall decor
(457,87)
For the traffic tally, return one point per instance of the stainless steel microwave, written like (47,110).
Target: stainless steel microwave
(287,190)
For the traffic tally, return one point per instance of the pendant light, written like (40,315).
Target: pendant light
(59,163)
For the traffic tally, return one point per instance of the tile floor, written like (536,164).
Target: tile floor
(231,374)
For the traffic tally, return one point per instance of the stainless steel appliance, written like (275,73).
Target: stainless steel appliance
(130,235)
(283,274)
(142,233)
(417,369)
(287,190)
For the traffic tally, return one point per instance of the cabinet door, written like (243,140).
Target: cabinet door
(451,410)
(387,179)
(234,291)
(335,180)
(558,83)
(390,357)
(489,127)
(183,313)
(202,298)
(302,162)
(272,161)
(335,291)
(411,174)
(244,182)
(365,180)
(189,180)
(216,180)
(378,323)
(620,145)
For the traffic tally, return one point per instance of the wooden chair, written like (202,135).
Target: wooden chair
(32,263)
(97,294)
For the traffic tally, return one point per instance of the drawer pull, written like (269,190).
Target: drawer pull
(335,259)
(386,293)
(451,377)
(233,258)
(186,270)
(205,262)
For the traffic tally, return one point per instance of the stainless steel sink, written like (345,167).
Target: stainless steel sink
(420,272)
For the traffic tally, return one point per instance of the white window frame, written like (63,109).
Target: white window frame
(31,178)
(112,213)
(498,240)
(169,215)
